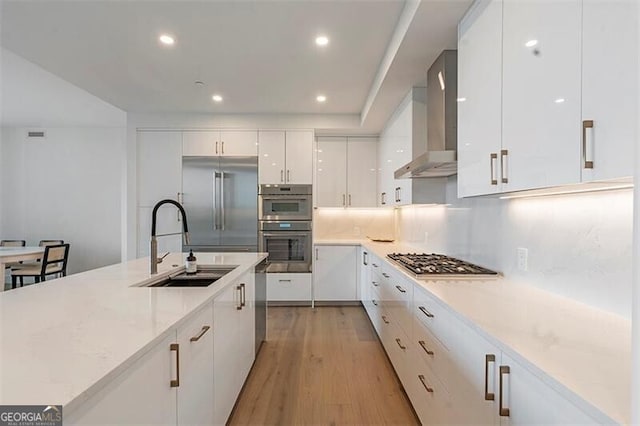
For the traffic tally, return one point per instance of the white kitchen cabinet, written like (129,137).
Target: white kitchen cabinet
(233,345)
(220,143)
(480,99)
(285,157)
(334,273)
(346,172)
(159,166)
(141,394)
(195,392)
(289,287)
(527,400)
(609,104)
(364,275)
(541,94)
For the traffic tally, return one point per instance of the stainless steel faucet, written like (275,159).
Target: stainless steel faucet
(154,241)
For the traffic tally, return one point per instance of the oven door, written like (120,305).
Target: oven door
(285,207)
(289,251)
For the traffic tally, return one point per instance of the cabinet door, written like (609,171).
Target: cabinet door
(195,394)
(361,172)
(299,157)
(159,166)
(531,402)
(480,99)
(140,395)
(331,172)
(247,332)
(200,143)
(364,277)
(609,36)
(271,155)
(334,273)
(226,346)
(541,93)
(239,143)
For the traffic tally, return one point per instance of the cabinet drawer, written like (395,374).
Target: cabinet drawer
(432,353)
(397,295)
(430,313)
(288,287)
(430,399)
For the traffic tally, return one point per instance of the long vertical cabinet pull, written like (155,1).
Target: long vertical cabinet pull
(492,163)
(344,202)
(243,295)
(222,143)
(316,253)
(349,199)
(288,175)
(364,258)
(586,124)
(216,147)
(174,347)
(503,165)
(239,307)
(383,196)
(488,396)
(504,411)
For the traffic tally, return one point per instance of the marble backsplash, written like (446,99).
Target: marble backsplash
(338,223)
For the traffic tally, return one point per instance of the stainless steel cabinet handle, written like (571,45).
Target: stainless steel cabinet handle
(586,124)
(243,295)
(374,265)
(504,412)
(492,163)
(488,396)
(424,311)
(383,196)
(174,347)
(384,274)
(397,194)
(205,328)
(281,175)
(364,258)
(288,175)
(216,199)
(343,200)
(216,147)
(284,281)
(374,302)
(316,254)
(503,165)
(424,346)
(424,383)
(400,289)
(349,199)
(399,342)
(222,143)
(384,318)
(375,283)
(239,307)
(222,212)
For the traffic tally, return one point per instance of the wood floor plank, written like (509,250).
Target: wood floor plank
(322,366)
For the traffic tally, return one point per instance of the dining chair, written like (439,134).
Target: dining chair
(54,261)
(44,243)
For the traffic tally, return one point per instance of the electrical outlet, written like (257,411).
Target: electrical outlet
(356,231)
(523,259)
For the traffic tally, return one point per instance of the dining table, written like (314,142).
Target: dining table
(18,254)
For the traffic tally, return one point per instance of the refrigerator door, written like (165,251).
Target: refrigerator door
(239,203)
(201,188)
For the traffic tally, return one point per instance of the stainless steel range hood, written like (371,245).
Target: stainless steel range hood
(440,159)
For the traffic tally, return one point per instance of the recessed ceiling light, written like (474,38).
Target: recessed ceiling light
(321,98)
(199,83)
(217,98)
(531,43)
(322,40)
(167,39)
(559,100)
(461,99)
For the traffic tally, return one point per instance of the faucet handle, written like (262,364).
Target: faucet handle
(163,256)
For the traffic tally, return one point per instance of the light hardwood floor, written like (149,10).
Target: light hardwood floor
(322,366)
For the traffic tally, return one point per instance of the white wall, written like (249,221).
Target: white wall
(579,245)
(68,185)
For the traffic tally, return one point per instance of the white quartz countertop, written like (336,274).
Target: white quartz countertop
(62,340)
(582,352)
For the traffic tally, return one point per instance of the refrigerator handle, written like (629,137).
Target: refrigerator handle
(216,176)
(222,201)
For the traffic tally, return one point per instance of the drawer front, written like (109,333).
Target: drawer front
(432,353)
(398,297)
(435,317)
(289,287)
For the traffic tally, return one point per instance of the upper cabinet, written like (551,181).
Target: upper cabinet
(285,157)
(535,109)
(346,172)
(220,143)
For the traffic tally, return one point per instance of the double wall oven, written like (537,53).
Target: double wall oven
(285,214)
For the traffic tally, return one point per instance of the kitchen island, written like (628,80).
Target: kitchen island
(64,341)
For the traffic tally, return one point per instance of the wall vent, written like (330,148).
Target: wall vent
(36,134)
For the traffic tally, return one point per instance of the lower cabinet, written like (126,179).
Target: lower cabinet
(193,376)
(334,273)
(289,287)
(451,373)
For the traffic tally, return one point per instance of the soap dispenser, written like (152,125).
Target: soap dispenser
(190,264)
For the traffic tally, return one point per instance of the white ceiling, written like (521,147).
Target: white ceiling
(259,55)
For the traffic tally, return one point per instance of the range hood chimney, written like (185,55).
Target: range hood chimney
(440,160)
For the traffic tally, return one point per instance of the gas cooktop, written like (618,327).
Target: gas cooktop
(438,265)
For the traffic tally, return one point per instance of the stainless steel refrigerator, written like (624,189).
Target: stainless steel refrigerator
(220,196)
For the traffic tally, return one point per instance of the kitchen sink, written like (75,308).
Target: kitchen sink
(204,277)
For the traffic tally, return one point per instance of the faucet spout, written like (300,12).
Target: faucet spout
(154,241)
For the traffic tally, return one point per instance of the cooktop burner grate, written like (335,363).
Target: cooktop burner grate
(429,265)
